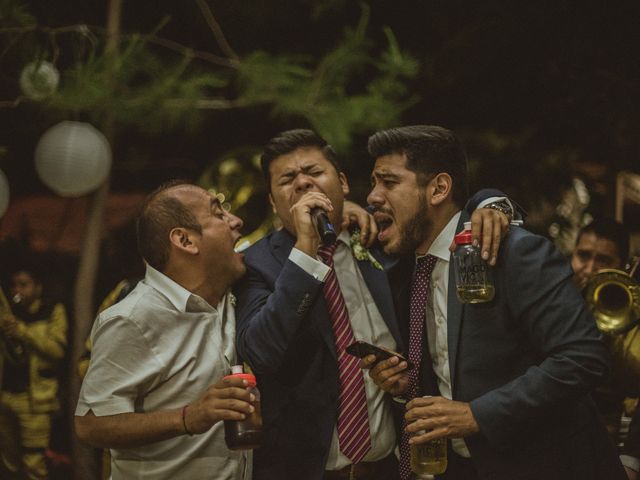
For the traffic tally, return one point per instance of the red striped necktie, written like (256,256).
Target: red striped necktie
(420,287)
(353,419)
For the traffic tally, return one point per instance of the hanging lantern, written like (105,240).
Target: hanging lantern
(4,193)
(39,80)
(73,158)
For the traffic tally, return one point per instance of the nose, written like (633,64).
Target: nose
(590,267)
(235,222)
(375,198)
(303,183)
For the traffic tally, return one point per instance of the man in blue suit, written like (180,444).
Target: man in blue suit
(509,379)
(289,333)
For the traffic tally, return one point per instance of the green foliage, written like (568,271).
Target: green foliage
(348,91)
(156,85)
(138,86)
(15,14)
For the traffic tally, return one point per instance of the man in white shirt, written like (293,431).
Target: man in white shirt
(507,381)
(154,392)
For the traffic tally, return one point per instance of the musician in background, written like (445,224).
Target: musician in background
(603,243)
(34,341)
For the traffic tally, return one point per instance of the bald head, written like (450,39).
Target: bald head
(164,209)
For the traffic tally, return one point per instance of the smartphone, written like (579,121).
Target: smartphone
(361,349)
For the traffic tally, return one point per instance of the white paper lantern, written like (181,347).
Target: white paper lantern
(38,80)
(4,193)
(73,158)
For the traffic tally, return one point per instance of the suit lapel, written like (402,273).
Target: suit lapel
(455,310)
(282,243)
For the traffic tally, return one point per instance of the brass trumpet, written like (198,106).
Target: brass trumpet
(613,297)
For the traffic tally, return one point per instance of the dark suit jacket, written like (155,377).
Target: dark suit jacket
(525,362)
(284,332)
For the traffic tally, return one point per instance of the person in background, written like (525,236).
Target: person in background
(604,244)
(34,333)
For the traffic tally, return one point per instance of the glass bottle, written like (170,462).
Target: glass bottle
(474,282)
(429,458)
(245,434)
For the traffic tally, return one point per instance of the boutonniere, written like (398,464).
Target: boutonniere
(361,252)
(232,299)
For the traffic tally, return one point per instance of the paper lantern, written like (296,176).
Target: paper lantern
(73,158)
(38,80)
(4,193)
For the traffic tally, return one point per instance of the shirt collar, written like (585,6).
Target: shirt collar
(345,237)
(440,246)
(177,294)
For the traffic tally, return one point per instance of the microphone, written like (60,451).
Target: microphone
(323,225)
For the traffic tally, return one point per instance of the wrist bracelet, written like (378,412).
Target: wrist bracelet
(184,420)
(503,207)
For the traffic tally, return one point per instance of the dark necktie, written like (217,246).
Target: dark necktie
(354,436)
(420,288)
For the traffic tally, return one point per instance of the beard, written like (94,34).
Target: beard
(416,230)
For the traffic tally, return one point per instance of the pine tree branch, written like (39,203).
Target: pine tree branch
(217,31)
(199,54)
(88,31)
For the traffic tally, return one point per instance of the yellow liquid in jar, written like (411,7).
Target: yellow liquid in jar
(429,458)
(475,293)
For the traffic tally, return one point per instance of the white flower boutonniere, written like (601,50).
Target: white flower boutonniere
(361,252)
(232,299)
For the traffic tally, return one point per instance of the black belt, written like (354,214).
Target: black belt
(362,470)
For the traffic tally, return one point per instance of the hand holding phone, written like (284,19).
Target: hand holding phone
(361,349)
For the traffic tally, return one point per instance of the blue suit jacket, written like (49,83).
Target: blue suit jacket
(525,362)
(284,332)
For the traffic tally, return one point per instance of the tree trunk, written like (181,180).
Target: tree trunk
(85,464)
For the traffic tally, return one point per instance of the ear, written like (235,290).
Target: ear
(344,184)
(440,188)
(273,204)
(184,240)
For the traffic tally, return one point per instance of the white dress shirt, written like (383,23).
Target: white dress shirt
(436,317)
(160,348)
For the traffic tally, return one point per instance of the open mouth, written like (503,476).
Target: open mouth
(384,223)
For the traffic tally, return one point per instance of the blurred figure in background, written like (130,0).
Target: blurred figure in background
(34,333)
(603,243)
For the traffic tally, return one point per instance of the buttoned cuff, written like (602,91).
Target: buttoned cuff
(312,266)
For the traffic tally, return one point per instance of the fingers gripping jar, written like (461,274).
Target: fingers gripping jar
(245,434)
(474,281)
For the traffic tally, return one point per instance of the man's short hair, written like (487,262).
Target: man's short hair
(162,212)
(429,150)
(609,229)
(290,140)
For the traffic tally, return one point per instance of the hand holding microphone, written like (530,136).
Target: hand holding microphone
(310,221)
(323,225)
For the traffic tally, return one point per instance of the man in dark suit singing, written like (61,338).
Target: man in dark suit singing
(299,306)
(509,379)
